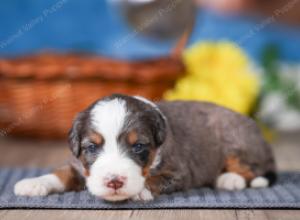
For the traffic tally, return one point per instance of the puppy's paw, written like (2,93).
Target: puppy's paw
(231,181)
(31,187)
(144,195)
(39,186)
(259,182)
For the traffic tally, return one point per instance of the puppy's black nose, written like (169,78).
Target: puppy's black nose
(115,183)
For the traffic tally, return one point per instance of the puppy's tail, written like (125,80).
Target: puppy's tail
(271,176)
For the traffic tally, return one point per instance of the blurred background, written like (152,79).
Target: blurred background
(58,56)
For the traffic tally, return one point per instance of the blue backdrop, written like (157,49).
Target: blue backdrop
(94,26)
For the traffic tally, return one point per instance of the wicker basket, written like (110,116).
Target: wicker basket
(40,94)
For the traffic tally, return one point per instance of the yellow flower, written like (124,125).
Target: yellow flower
(219,73)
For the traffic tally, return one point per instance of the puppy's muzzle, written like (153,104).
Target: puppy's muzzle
(115,182)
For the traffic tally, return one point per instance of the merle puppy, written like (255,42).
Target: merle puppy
(130,148)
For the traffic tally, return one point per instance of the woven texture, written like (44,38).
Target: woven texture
(40,94)
(285,194)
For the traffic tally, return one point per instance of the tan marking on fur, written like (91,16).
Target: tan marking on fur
(233,164)
(69,177)
(153,183)
(132,137)
(96,138)
(84,162)
(146,169)
(156,183)
(86,173)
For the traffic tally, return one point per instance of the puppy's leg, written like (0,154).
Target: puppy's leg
(234,181)
(144,195)
(231,181)
(259,182)
(235,175)
(238,174)
(61,180)
(155,185)
(163,183)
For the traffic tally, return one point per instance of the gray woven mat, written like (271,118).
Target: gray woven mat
(285,194)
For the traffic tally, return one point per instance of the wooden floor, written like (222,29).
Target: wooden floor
(44,154)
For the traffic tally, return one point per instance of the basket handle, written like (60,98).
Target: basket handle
(177,50)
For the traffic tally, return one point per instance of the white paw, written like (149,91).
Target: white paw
(31,187)
(144,195)
(231,181)
(259,182)
(39,186)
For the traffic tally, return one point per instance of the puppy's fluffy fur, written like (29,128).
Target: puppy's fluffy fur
(130,148)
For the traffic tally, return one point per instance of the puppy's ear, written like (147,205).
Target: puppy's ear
(75,134)
(160,129)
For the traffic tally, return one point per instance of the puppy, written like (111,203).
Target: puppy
(130,148)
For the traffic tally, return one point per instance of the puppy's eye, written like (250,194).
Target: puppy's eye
(92,148)
(138,148)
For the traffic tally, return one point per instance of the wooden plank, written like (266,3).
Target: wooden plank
(251,214)
(150,214)
(191,214)
(65,214)
(3,213)
(283,214)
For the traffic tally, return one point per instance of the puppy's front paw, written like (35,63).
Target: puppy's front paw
(231,181)
(39,186)
(144,195)
(31,187)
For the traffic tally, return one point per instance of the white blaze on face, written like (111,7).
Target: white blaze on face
(108,118)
